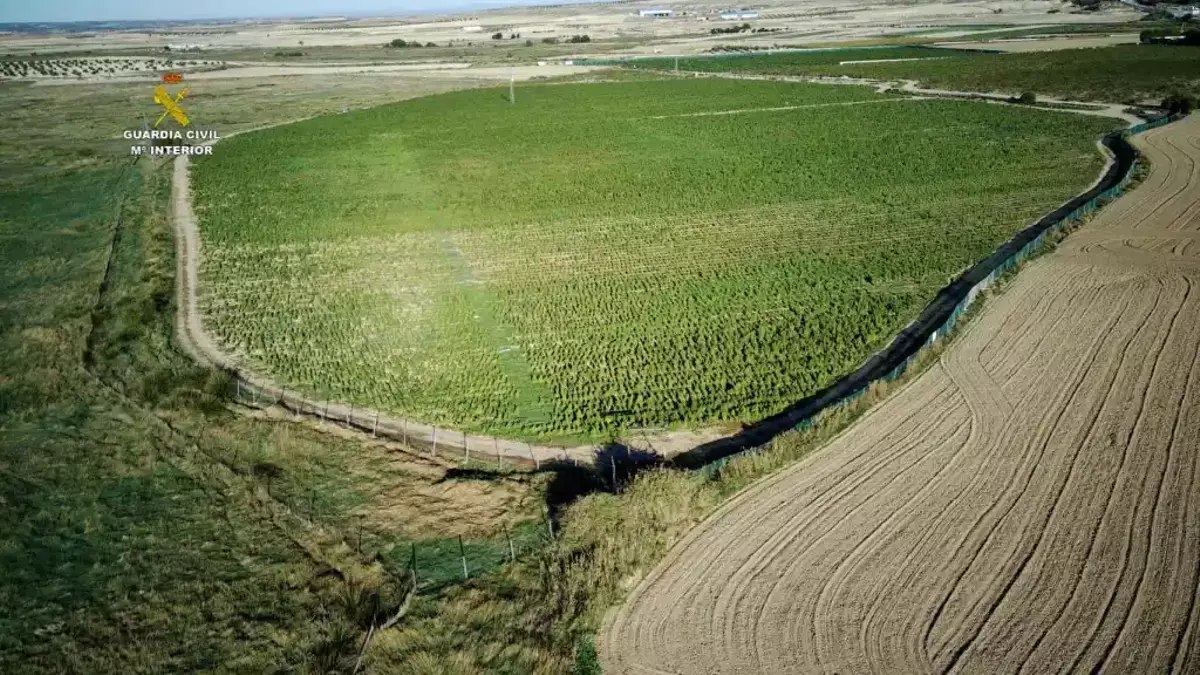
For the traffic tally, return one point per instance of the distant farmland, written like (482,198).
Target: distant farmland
(1107,74)
(611,255)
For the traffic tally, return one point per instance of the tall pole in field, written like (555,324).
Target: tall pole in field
(676,65)
(512,92)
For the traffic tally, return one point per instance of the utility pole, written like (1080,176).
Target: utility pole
(512,92)
(676,65)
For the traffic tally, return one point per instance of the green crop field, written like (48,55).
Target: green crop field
(782,62)
(610,255)
(1116,73)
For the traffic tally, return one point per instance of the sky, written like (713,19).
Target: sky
(16,11)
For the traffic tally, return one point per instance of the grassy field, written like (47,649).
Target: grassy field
(607,256)
(1120,73)
(144,527)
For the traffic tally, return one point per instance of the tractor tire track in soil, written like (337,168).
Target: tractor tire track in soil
(1030,506)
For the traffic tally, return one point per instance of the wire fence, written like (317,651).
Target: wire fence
(444,442)
(998,268)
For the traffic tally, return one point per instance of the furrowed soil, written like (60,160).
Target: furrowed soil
(1032,505)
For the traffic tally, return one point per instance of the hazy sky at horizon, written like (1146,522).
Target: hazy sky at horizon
(14,11)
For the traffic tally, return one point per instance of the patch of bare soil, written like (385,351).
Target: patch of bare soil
(1030,506)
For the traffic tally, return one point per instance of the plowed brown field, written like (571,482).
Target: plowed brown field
(1030,506)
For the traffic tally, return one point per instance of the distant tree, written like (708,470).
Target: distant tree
(397,43)
(497,36)
(576,39)
(430,44)
(550,40)
(529,43)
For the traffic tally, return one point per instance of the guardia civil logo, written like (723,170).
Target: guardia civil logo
(164,138)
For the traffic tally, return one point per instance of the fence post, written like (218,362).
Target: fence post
(512,552)
(413,565)
(466,449)
(434,451)
(462,552)
(375,426)
(536,464)
(350,416)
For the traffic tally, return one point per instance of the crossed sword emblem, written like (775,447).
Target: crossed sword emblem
(164,99)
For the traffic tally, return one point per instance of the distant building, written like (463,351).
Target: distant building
(472,29)
(738,15)
(655,13)
(1185,12)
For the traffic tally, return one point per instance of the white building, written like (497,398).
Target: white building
(738,15)
(654,13)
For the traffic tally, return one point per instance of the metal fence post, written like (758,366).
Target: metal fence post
(463,552)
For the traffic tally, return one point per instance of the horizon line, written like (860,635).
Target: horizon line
(465,6)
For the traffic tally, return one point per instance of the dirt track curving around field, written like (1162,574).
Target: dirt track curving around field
(200,345)
(1030,506)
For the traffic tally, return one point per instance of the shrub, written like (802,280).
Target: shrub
(1027,98)
(497,36)
(1179,103)
(587,662)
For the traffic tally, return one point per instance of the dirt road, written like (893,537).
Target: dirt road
(1030,506)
